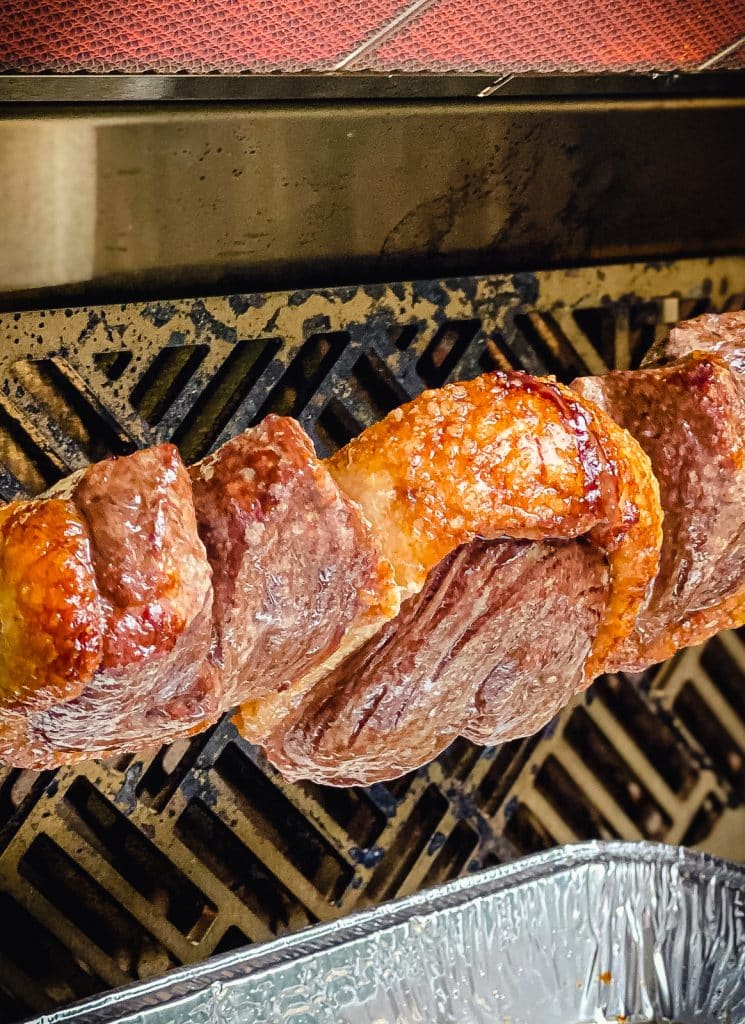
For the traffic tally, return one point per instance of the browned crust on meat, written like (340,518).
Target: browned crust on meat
(98,592)
(689,416)
(721,334)
(50,612)
(294,560)
(696,629)
(150,563)
(508,455)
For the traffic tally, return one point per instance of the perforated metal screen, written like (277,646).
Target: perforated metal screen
(110,872)
(320,35)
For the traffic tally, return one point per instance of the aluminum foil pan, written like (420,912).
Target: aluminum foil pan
(600,932)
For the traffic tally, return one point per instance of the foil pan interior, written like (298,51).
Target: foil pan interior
(621,932)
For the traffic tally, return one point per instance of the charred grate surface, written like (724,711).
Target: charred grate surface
(121,870)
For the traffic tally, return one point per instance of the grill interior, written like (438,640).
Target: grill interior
(121,870)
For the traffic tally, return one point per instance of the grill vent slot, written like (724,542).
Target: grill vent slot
(141,863)
(165,772)
(351,809)
(509,759)
(87,904)
(412,843)
(48,973)
(223,395)
(402,335)
(626,788)
(569,801)
(232,939)
(548,340)
(727,674)
(165,379)
(652,735)
(73,407)
(112,364)
(599,326)
(526,832)
(295,837)
(713,736)
(445,350)
(32,463)
(704,821)
(374,387)
(498,355)
(454,855)
(304,374)
(336,426)
(244,874)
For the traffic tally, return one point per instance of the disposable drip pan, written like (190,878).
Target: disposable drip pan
(625,932)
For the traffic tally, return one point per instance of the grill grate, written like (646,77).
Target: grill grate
(121,870)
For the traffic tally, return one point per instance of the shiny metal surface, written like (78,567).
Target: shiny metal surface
(594,933)
(130,202)
(307,87)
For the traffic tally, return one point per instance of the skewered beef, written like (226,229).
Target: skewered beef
(296,571)
(112,614)
(689,416)
(492,647)
(461,568)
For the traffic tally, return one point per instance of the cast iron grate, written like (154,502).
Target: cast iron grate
(116,871)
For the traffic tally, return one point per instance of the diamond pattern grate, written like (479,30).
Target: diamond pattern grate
(115,871)
(318,35)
